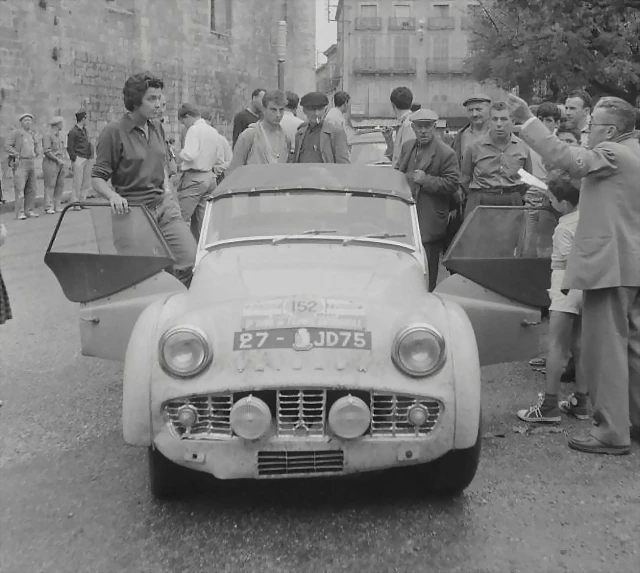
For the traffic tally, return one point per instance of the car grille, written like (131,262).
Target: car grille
(274,464)
(302,413)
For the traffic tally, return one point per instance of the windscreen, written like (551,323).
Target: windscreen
(310,213)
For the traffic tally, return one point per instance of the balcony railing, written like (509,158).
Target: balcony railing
(448,23)
(388,66)
(402,23)
(368,24)
(446,66)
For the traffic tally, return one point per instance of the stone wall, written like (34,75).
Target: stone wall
(57,56)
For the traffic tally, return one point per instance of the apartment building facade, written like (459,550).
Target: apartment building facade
(422,44)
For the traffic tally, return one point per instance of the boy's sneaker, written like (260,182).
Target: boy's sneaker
(541,413)
(573,407)
(538,362)
(22,217)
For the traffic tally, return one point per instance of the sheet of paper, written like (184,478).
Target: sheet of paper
(531,180)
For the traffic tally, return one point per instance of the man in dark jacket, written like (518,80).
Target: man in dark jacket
(433,173)
(80,153)
(319,141)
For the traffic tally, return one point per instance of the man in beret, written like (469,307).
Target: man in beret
(432,171)
(23,148)
(318,141)
(80,152)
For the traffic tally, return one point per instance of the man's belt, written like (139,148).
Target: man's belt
(194,171)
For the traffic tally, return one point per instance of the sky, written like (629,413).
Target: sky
(325,31)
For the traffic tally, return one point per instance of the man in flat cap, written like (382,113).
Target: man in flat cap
(318,141)
(23,148)
(477,107)
(54,166)
(80,153)
(432,171)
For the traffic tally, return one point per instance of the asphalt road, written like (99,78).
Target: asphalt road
(74,497)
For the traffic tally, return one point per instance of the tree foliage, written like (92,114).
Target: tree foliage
(560,44)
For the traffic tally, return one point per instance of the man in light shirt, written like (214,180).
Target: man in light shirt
(401,99)
(222,163)
(290,121)
(336,114)
(202,150)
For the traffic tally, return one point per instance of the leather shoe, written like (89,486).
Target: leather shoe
(592,445)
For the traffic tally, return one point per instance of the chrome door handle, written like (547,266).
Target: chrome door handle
(92,320)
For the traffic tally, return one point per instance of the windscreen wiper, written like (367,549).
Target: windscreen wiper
(374,236)
(277,240)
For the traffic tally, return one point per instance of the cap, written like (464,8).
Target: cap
(81,115)
(314,99)
(25,115)
(423,115)
(477,98)
(56,120)
(188,109)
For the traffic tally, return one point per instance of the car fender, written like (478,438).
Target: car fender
(466,372)
(136,387)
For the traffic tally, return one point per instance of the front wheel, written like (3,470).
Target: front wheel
(452,473)
(166,479)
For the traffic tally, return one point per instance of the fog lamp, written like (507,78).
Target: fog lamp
(349,417)
(417,415)
(250,418)
(187,415)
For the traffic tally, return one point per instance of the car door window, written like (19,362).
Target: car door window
(95,253)
(507,250)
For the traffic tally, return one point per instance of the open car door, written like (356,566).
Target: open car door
(502,257)
(113,265)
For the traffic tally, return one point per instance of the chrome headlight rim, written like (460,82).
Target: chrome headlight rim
(201,336)
(412,328)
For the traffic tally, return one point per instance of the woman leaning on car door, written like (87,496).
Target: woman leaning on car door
(132,154)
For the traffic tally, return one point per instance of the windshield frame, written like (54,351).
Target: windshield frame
(205,246)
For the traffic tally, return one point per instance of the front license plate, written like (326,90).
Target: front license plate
(302,339)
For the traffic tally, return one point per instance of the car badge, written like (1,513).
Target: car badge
(302,340)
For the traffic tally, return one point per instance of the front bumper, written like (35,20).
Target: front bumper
(295,458)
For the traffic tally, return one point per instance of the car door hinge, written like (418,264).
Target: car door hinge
(526,322)
(92,320)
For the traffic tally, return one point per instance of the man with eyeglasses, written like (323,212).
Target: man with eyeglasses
(604,263)
(432,171)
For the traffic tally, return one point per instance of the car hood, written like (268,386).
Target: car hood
(324,269)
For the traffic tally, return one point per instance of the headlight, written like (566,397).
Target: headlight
(184,352)
(418,350)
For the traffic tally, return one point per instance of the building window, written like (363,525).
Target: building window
(402,11)
(401,48)
(368,48)
(221,16)
(441,48)
(441,10)
(368,10)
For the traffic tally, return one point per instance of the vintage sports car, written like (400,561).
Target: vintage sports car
(307,344)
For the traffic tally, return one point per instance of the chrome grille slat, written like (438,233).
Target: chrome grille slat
(389,415)
(301,412)
(274,464)
(213,415)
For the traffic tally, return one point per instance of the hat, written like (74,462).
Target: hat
(25,115)
(81,115)
(188,109)
(477,98)
(56,120)
(423,115)
(314,99)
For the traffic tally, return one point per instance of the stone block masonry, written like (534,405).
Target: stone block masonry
(57,56)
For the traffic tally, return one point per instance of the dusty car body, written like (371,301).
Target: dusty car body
(308,344)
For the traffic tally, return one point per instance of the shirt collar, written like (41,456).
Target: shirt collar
(486,139)
(404,115)
(570,217)
(130,125)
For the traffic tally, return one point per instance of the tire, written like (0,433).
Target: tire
(451,474)
(166,479)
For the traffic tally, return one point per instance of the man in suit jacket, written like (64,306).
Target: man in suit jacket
(433,173)
(319,141)
(604,263)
